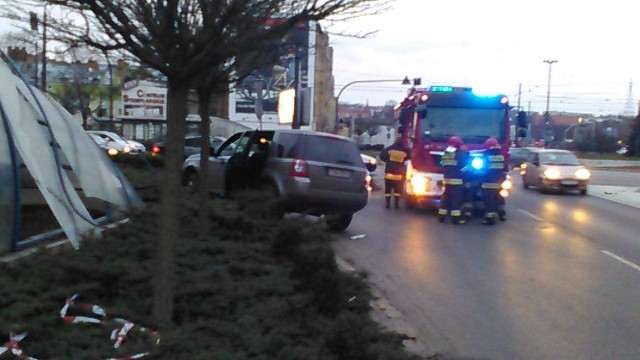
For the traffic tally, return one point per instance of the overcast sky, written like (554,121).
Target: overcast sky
(498,44)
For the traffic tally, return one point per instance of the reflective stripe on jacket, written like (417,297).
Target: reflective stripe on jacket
(490,185)
(394,157)
(453,181)
(390,176)
(496,161)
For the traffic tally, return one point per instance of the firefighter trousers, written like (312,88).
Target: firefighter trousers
(490,199)
(468,204)
(392,188)
(452,200)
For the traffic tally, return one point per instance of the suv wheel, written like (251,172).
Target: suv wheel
(190,180)
(411,203)
(339,222)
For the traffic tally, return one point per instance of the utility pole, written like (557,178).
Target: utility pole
(34,27)
(44,49)
(546,114)
(110,69)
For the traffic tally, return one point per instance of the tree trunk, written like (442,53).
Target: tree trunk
(165,262)
(204,100)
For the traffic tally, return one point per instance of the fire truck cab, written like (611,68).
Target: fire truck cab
(429,116)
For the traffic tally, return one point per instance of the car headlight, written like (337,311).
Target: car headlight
(583,174)
(127,149)
(507,184)
(419,184)
(552,174)
(112,152)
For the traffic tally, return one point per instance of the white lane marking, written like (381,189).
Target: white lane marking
(621,259)
(531,215)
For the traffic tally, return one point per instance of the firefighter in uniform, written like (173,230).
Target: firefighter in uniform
(491,180)
(394,157)
(453,161)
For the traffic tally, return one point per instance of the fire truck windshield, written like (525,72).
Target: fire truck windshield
(473,125)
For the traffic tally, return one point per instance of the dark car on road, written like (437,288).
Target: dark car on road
(191,145)
(518,155)
(310,172)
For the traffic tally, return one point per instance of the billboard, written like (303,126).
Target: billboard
(263,85)
(143,100)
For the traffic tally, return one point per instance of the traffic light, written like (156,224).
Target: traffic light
(521,119)
(33,20)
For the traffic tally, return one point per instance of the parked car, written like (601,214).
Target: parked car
(113,143)
(191,145)
(518,155)
(624,149)
(312,172)
(370,162)
(553,169)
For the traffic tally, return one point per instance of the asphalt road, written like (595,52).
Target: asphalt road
(558,280)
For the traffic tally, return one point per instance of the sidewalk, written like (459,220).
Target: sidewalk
(621,194)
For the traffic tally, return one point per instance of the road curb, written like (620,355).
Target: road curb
(391,318)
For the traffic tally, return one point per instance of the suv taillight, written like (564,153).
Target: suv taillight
(155,149)
(299,168)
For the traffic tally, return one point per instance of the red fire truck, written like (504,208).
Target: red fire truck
(428,117)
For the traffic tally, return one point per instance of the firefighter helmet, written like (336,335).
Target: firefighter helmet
(455,141)
(491,143)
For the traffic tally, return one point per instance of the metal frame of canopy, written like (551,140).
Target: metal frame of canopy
(26,129)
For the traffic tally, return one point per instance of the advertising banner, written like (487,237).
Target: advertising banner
(268,81)
(144,100)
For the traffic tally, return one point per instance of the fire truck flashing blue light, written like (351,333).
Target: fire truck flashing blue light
(488,92)
(477,163)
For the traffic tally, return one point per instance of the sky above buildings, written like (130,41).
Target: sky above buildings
(499,45)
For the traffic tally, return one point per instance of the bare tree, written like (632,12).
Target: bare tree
(182,39)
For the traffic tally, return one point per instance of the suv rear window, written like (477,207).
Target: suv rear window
(319,148)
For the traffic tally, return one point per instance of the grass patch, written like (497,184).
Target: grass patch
(605,156)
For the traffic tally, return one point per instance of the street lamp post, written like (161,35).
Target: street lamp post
(546,114)
(404,81)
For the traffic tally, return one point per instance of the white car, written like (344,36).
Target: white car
(370,162)
(115,144)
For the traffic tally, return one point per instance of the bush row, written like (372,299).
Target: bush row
(253,288)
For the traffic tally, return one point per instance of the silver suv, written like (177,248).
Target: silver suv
(312,172)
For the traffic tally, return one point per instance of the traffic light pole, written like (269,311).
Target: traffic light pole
(405,81)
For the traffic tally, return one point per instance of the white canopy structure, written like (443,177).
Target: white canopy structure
(65,163)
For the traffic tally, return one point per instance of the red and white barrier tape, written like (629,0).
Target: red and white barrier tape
(13,345)
(119,335)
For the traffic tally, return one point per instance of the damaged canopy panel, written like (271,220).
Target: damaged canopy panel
(46,138)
